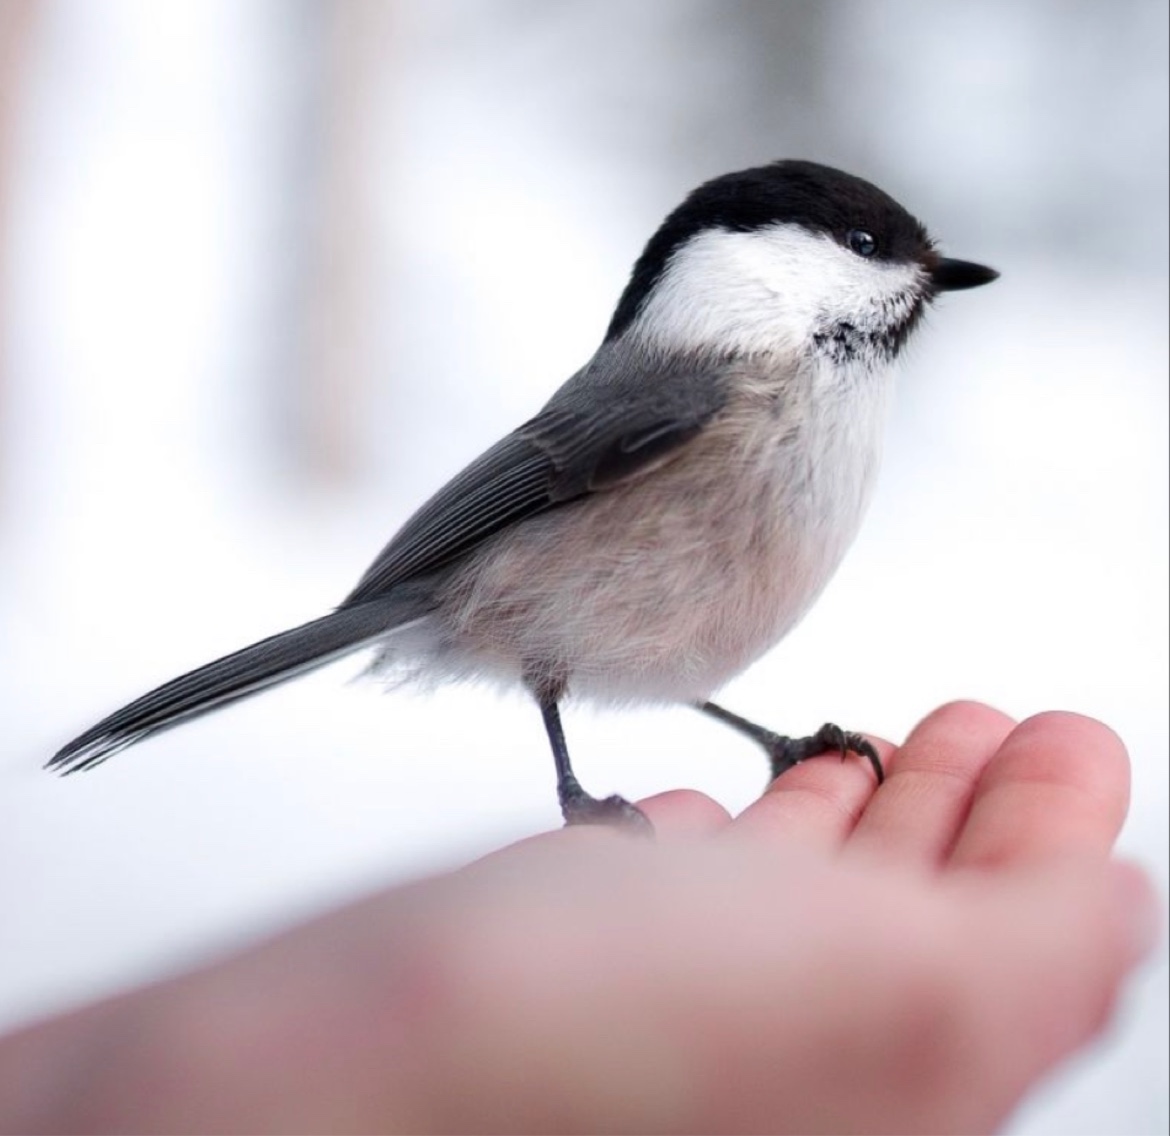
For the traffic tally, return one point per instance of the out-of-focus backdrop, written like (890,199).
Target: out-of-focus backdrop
(271,271)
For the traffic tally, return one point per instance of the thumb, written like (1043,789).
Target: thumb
(1054,944)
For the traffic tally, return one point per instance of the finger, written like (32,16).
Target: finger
(817,803)
(1059,784)
(920,810)
(1046,953)
(679,814)
(684,814)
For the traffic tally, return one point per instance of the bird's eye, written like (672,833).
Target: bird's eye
(861,242)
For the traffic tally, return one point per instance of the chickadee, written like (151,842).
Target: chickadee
(676,506)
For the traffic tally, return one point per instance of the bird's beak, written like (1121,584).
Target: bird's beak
(954,275)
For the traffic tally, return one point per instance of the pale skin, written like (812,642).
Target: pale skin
(838,958)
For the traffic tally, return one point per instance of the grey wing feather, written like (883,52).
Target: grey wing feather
(620,415)
(508,482)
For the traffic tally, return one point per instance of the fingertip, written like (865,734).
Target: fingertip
(965,719)
(684,813)
(1074,719)
(1064,732)
(1058,784)
(1071,720)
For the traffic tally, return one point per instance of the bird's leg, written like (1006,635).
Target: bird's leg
(577,806)
(784,752)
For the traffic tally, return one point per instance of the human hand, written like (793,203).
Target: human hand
(834,959)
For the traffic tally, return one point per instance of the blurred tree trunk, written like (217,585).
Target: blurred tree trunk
(17,20)
(351,45)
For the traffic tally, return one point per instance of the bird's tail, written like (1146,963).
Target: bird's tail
(248,671)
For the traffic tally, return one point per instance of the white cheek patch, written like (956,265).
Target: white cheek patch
(773,289)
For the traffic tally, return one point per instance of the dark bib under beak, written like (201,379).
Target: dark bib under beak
(955,275)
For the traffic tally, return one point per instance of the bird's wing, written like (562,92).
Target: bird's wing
(621,415)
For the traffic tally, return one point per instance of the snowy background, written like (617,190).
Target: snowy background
(271,271)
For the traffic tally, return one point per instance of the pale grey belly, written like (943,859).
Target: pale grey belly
(661,589)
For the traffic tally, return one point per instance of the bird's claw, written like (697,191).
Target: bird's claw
(830,738)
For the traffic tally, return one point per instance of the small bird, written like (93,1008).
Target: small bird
(675,507)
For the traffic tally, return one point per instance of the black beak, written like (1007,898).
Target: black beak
(954,275)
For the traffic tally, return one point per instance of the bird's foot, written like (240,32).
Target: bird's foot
(578,807)
(784,752)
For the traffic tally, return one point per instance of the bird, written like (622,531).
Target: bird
(675,507)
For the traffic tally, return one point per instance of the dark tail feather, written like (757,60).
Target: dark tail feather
(247,671)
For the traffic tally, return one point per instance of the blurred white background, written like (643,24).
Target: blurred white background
(270,271)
